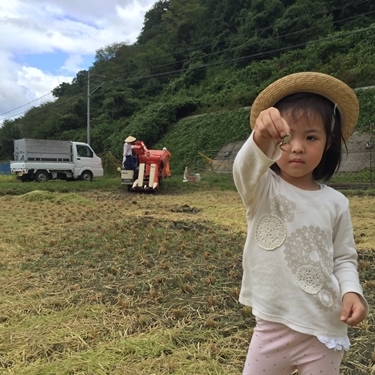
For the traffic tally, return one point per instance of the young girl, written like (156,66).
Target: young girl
(299,263)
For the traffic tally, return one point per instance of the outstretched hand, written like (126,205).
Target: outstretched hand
(353,310)
(270,125)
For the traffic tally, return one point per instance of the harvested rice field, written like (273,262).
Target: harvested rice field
(113,283)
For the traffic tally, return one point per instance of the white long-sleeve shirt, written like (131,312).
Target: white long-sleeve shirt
(299,257)
(127,150)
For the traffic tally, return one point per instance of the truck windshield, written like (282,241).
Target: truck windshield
(84,151)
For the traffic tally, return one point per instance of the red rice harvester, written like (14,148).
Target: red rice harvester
(151,167)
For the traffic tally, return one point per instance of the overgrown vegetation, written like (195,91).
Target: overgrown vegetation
(204,56)
(96,280)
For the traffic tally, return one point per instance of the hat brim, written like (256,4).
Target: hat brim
(318,83)
(130,139)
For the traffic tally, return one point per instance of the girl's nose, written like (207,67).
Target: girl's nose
(296,146)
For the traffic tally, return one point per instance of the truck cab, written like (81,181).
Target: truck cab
(86,161)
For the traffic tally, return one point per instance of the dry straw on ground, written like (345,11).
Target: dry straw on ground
(117,283)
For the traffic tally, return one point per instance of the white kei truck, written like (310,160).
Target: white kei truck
(41,160)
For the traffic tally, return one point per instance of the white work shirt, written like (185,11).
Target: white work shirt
(127,150)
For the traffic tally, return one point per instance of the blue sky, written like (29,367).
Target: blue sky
(46,42)
(52,62)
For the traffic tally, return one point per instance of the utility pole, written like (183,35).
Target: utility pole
(88,106)
(88,101)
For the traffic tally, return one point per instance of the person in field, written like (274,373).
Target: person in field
(299,262)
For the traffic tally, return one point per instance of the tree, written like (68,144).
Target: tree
(303,21)
(349,14)
(260,19)
(66,89)
(120,103)
(194,72)
(153,24)
(80,79)
(183,20)
(224,15)
(8,132)
(60,90)
(255,37)
(107,53)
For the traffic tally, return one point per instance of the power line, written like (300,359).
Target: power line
(199,47)
(55,104)
(196,48)
(221,62)
(14,109)
(251,56)
(257,55)
(236,48)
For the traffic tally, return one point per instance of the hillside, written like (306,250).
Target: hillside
(355,155)
(204,56)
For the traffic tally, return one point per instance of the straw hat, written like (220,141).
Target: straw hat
(130,139)
(318,83)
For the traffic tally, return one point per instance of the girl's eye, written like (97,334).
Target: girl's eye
(311,138)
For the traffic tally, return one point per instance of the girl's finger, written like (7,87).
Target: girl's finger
(271,125)
(280,124)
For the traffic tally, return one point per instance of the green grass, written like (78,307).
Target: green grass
(9,185)
(366,176)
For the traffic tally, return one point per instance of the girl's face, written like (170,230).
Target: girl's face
(304,152)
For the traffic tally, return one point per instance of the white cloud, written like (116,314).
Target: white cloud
(73,63)
(70,28)
(38,81)
(25,87)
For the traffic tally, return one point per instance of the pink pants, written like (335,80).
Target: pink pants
(276,349)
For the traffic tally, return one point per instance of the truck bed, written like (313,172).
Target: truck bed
(42,150)
(37,165)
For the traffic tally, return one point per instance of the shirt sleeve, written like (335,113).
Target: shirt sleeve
(345,266)
(249,167)
(124,153)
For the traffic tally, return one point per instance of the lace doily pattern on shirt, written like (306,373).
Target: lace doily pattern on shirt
(310,279)
(270,232)
(282,207)
(326,299)
(308,246)
(310,261)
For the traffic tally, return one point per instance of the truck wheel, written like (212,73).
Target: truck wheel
(86,176)
(41,176)
(25,178)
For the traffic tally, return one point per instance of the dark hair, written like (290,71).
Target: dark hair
(313,103)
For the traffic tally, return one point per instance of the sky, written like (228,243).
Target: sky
(46,42)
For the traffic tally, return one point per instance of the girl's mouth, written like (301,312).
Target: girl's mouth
(297,161)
